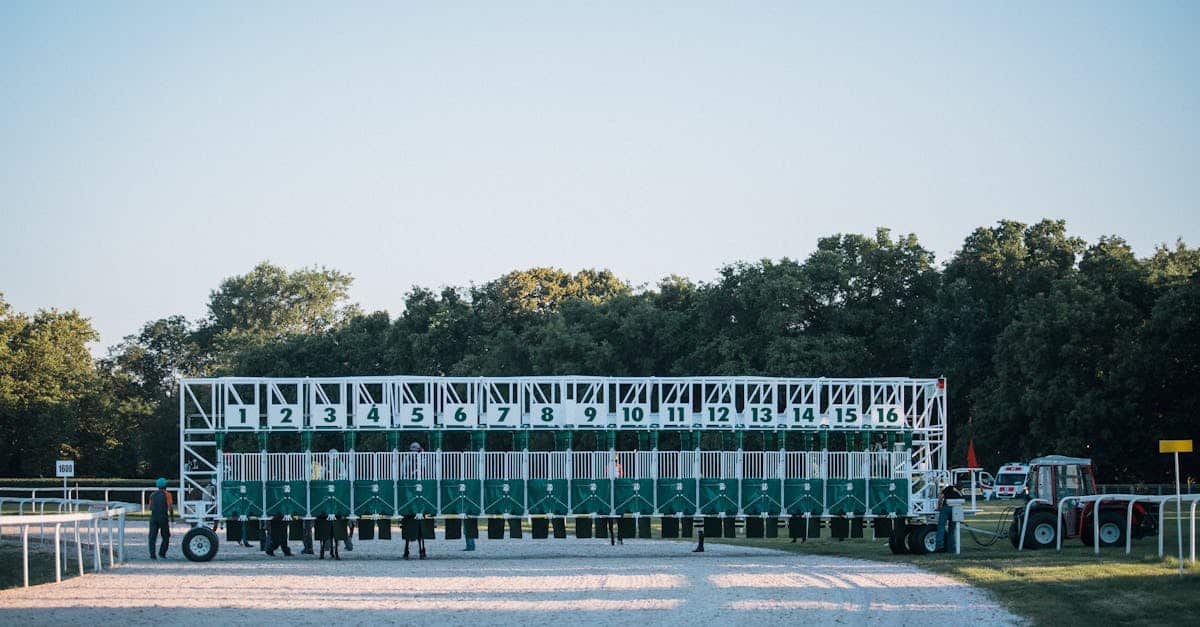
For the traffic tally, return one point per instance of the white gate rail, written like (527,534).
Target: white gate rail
(99,518)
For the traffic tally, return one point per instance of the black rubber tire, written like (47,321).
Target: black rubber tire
(1014,533)
(921,538)
(1109,519)
(200,544)
(896,541)
(1038,523)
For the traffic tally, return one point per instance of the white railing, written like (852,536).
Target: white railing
(109,515)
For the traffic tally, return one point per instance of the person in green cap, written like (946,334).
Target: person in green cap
(160,517)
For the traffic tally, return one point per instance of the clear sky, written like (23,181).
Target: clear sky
(149,150)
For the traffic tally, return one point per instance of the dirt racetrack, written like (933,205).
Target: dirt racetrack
(504,581)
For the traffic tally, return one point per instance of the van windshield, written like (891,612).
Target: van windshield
(1008,478)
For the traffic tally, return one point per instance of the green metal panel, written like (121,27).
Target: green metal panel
(375,497)
(328,498)
(633,496)
(591,496)
(804,496)
(461,496)
(504,496)
(241,498)
(548,496)
(761,496)
(285,498)
(847,496)
(719,496)
(676,496)
(416,497)
(889,496)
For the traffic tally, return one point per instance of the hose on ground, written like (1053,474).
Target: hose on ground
(1001,530)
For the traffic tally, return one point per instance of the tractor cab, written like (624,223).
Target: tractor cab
(1055,477)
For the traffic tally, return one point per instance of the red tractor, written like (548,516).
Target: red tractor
(1055,477)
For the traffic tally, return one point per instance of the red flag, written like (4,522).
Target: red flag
(972,462)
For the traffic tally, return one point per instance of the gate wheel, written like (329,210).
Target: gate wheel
(200,544)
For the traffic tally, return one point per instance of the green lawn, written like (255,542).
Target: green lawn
(41,565)
(1068,588)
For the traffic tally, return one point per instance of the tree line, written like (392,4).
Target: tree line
(1050,344)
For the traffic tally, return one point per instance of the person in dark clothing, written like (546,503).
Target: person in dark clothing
(160,517)
(279,538)
(944,515)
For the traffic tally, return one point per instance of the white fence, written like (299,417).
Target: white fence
(88,520)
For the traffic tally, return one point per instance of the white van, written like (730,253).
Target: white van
(1010,481)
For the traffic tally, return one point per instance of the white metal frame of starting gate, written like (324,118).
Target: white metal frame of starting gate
(208,406)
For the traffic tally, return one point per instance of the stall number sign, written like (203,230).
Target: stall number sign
(64,469)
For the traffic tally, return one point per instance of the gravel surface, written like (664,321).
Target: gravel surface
(569,580)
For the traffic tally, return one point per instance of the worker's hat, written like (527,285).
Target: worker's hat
(414,447)
(161,482)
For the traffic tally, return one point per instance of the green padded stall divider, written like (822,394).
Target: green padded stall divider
(296,528)
(374,498)
(591,496)
(686,527)
(633,496)
(503,496)
(643,527)
(729,527)
(627,527)
(322,529)
(847,496)
(430,528)
(814,527)
(889,496)
(383,527)
(676,496)
(804,496)
(341,529)
(410,527)
(856,527)
(416,497)
(454,528)
(719,496)
(461,496)
(601,527)
(755,527)
(771,527)
(495,528)
(548,496)
(583,528)
(286,498)
(539,528)
(514,527)
(712,527)
(799,527)
(471,527)
(366,529)
(670,527)
(883,528)
(241,498)
(559,526)
(327,498)
(761,496)
(233,530)
(839,527)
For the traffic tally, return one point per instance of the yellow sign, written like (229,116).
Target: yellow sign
(1174,446)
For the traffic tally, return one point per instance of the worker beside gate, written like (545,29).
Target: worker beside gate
(160,517)
(945,514)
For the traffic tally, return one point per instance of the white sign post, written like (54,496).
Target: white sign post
(64,468)
(1177,447)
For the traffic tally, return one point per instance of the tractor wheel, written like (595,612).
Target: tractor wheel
(896,540)
(1041,531)
(200,544)
(922,539)
(1112,530)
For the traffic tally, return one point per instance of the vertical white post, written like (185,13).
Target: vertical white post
(98,564)
(79,548)
(25,553)
(58,552)
(1178,515)
(121,536)
(112,552)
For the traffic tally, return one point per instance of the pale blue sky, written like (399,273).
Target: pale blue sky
(148,151)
